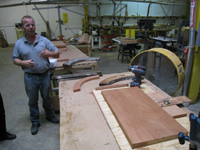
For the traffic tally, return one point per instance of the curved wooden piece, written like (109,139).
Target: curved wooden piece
(73,61)
(79,83)
(114,79)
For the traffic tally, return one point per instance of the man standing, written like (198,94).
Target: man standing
(31,52)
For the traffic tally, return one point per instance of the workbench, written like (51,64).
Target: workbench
(73,53)
(84,126)
(164,41)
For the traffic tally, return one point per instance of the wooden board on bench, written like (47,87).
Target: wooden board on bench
(141,119)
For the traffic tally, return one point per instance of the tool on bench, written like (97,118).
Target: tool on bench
(194,137)
(163,68)
(139,71)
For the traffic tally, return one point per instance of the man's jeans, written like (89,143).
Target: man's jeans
(34,84)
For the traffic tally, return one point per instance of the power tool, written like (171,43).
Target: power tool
(139,71)
(194,137)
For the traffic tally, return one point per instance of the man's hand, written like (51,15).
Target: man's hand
(29,63)
(26,63)
(45,53)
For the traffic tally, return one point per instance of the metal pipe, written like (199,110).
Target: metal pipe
(154,2)
(45,2)
(53,3)
(163,9)
(148,10)
(63,7)
(191,47)
(44,21)
(120,9)
(59,21)
(113,12)
(73,11)
(117,7)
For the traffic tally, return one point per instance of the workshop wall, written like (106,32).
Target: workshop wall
(11,15)
(140,9)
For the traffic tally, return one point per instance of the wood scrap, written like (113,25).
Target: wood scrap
(147,123)
(79,83)
(62,49)
(59,44)
(175,111)
(114,79)
(73,61)
(156,95)
(62,58)
(84,39)
(173,101)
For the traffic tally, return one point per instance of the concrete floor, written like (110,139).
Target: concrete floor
(16,103)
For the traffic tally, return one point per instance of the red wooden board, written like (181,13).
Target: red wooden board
(141,119)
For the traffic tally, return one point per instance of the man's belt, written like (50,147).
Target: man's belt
(38,74)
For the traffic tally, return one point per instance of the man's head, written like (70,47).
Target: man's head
(28,25)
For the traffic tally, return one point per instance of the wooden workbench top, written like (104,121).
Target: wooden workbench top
(83,125)
(73,53)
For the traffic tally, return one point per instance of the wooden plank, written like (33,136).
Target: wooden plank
(160,98)
(147,123)
(155,95)
(74,53)
(59,44)
(61,58)
(174,100)
(175,111)
(121,139)
(62,49)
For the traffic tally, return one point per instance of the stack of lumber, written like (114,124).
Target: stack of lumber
(60,45)
(84,39)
